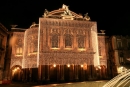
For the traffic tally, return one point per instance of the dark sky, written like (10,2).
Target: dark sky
(114,17)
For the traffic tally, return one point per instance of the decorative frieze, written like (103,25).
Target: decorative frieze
(66,23)
(65,58)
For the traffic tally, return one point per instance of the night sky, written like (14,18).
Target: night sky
(114,17)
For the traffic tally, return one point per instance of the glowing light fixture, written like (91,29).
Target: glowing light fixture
(99,67)
(17,68)
(82,49)
(68,65)
(81,65)
(54,65)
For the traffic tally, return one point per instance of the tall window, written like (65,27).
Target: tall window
(35,45)
(119,44)
(19,47)
(54,41)
(54,38)
(99,51)
(19,50)
(68,41)
(121,58)
(81,42)
(31,48)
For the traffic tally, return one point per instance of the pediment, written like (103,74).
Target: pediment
(62,12)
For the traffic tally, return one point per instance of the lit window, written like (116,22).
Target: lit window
(68,41)
(19,51)
(31,48)
(81,42)
(35,46)
(54,41)
(121,58)
(99,51)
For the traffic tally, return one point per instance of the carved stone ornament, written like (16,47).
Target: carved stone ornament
(86,17)
(46,12)
(67,11)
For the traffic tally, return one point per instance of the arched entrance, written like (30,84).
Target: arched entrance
(16,73)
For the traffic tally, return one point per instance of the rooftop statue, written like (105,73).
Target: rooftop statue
(67,11)
(46,12)
(86,17)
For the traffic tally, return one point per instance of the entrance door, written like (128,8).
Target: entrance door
(16,73)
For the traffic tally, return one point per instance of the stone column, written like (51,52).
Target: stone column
(76,72)
(30,74)
(48,72)
(62,72)
(82,74)
(27,73)
(23,75)
(43,72)
(58,72)
(39,73)
(71,72)
(89,72)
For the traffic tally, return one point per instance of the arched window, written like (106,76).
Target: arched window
(68,41)
(121,58)
(99,50)
(81,43)
(119,44)
(19,47)
(30,47)
(19,50)
(54,41)
(35,44)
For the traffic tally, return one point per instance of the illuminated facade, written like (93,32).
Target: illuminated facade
(64,46)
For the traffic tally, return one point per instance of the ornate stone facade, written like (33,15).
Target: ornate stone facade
(68,33)
(61,39)
(17,48)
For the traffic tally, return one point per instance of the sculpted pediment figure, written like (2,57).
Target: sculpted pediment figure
(86,17)
(67,11)
(46,12)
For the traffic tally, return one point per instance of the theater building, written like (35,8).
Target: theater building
(63,46)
